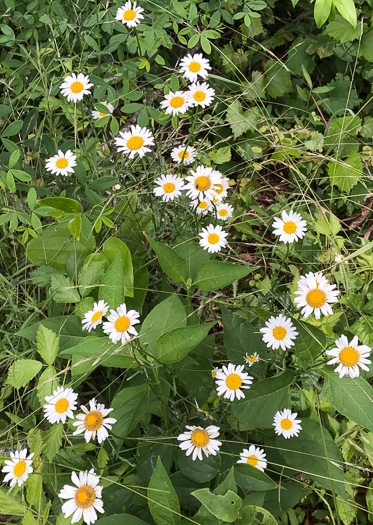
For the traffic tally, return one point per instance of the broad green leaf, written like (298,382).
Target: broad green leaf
(175,345)
(64,290)
(366,45)
(117,519)
(90,276)
(46,385)
(171,262)
(347,9)
(309,343)
(345,174)
(194,256)
(47,344)
(28,518)
(110,250)
(221,155)
(35,486)
(68,206)
(213,275)
(13,128)
(278,79)
(198,471)
(129,408)
(322,11)
(240,120)
(22,371)
(75,225)
(341,30)
(342,96)
(250,478)
(53,441)
(254,515)
(10,505)
(112,289)
(35,441)
(224,508)
(21,175)
(162,499)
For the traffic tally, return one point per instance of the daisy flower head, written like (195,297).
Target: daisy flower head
(18,467)
(60,405)
(339,258)
(194,66)
(213,238)
(93,422)
(197,440)
(224,211)
(99,114)
(201,94)
(203,206)
(291,227)
(130,14)
(254,456)
(315,295)
(251,359)
(201,183)
(349,356)
(136,141)
(279,332)
(231,380)
(185,154)
(168,187)
(286,424)
(176,103)
(221,187)
(214,371)
(62,163)
(94,317)
(120,324)
(74,87)
(83,499)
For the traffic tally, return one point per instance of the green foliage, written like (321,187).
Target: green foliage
(162,498)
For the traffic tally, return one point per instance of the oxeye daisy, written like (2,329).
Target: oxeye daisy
(286,424)
(194,66)
(168,187)
(291,227)
(93,422)
(60,405)
(84,499)
(224,211)
(221,187)
(251,359)
(136,141)
(201,183)
(74,87)
(18,467)
(201,94)
(339,258)
(94,317)
(185,154)
(279,332)
(315,293)
(176,103)
(203,206)
(62,163)
(99,114)
(349,356)
(230,380)
(213,238)
(120,324)
(254,456)
(214,371)
(130,14)
(198,439)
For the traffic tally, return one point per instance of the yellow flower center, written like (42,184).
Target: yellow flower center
(213,373)
(233,381)
(130,14)
(122,324)
(96,316)
(252,460)
(279,332)
(316,298)
(102,114)
(218,188)
(290,227)
(200,438)
(169,187)
(194,67)
(286,424)
(202,205)
(93,421)
(223,213)
(215,200)
(349,356)
(199,96)
(61,406)
(177,102)
(20,468)
(62,163)
(135,143)
(202,183)
(184,154)
(213,238)
(85,496)
(251,358)
(77,87)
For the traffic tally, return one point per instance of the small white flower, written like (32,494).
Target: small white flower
(201,94)
(230,380)
(169,187)
(290,228)
(60,405)
(214,371)
(18,467)
(176,103)
(120,324)
(62,163)
(222,186)
(349,356)
(198,439)
(224,211)
(98,114)
(286,424)
(130,14)
(213,238)
(315,294)
(194,66)
(279,332)
(74,87)
(201,183)
(203,206)
(94,317)
(94,422)
(339,258)
(84,499)
(135,141)
(251,359)
(254,456)
(185,154)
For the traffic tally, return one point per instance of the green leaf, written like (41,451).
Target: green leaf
(14,157)
(224,508)
(322,11)
(9,505)
(4,110)
(35,441)
(345,174)
(347,9)
(13,128)
(309,343)
(53,441)
(341,30)
(110,250)
(213,275)
(34,487)
(20,175)
(366,45)
(342,96)
(198,471)
(277,78)
(28,518)
(162,499)
(221,155)
(171,262)
(75,225)
(129,408)
(101,122)
(64,290)
(254,515)
(22,372)
(116,519)
(68,206)
(193,255)
(47,344)
(250,478)
(175,345)
(90,276)
(46,385)
(112,289)
(241,121)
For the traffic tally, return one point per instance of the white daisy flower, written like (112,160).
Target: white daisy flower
(279,332)
(222,186)
(185,154)
(198,439)
(230,380)
(74,87)
(339,258)
(286,424)
(224,211)
(290,228)
(192,67)
(130,14)
(62,163)
(168,187)
(254,456)
(251,359)
(84,499)
(94,422)
(135,141)
(201,94)
(315,294)
(120,324)
(201,183)
(94,317)
(176,103)
(60,405)
(203,206)
(213,238)
(349,356)
(217,199)
(18,467)
(214,371)
(99,114)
